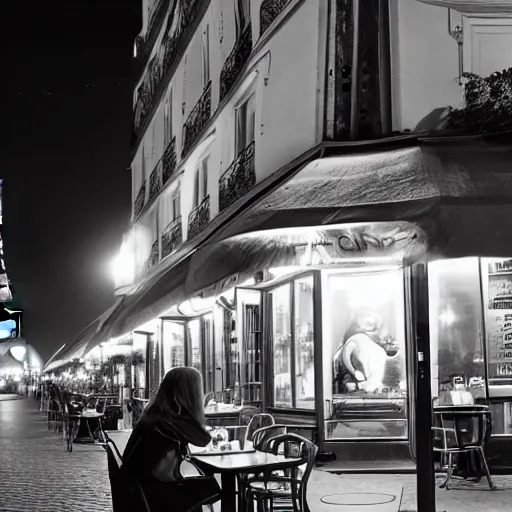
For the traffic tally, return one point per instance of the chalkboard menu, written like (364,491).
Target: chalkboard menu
(499,322)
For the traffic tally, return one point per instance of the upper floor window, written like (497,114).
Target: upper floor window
(171,207)
(176,204)
(201,182)
(206,56)
(245,119)
(168,119)
(242,15)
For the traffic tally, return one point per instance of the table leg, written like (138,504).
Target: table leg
(228,499)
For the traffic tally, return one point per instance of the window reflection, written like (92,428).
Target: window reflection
(282,346)
(194,331)
(457,362)
(304,344)
(173,345)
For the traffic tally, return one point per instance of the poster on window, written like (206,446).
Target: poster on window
(368,333)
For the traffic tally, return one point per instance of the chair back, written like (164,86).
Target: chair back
(262,436)
(295,446)
(122,499)
(258,421)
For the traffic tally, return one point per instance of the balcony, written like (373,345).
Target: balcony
(269,11)
(140,201)
(169,161)
(155,182)
(199,217)
(172,237)
(156,17)
(188,14)
(238,179)
(154,255)
(197,119)
(235,62)
(142,108)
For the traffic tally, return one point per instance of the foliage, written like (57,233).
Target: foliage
(488,104)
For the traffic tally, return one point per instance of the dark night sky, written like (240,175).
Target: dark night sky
(67,84)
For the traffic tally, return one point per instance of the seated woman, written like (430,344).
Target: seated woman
(159,442)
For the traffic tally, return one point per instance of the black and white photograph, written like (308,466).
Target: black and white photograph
(256,256)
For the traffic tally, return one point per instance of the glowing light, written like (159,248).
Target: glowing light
(122,266)
(447,317)
(196,305)
(19,353)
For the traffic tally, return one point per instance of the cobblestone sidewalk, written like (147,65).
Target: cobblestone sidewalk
(37,474)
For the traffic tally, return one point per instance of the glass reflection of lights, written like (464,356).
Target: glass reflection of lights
(447,317)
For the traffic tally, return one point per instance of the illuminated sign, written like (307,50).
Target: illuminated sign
(400,239)
(8,329)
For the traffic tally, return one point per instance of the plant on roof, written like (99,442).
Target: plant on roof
(488,104)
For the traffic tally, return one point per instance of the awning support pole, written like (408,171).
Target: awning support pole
(425,476)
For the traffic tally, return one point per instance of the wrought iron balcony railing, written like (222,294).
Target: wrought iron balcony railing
(172,237)
(140,201)
(154,255)
(269,11)
(169,161)
(199,217)
(239,178)
(155,182)
(197,119)
(235,62)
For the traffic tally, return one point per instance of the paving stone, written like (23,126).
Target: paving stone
(37,474)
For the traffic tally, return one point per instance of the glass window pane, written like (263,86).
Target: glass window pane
(364,355)
(194,332)
(497,285)
(207,335)
(456,353)
(173,345)
(304,344)
(282,346)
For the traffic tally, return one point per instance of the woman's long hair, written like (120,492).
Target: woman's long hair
(180,392)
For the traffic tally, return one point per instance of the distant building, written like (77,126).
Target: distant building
(18,359)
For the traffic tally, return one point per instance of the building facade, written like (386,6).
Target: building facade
(315,209)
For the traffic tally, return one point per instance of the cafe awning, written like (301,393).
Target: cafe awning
(75,349)
(457,191)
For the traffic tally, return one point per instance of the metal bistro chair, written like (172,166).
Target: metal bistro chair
(287,491)
(257,422)
(463,429)
(122,501)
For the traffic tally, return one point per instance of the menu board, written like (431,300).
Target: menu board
(499,321)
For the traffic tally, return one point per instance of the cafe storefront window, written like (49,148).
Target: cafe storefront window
(293,349)
(497,290)
(456,332)
(364,354)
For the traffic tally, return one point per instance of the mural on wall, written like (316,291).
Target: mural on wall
(369,353)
